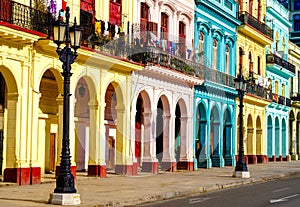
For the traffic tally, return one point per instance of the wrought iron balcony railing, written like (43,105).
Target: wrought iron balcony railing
(24,16)
(295,96)
(247,18)
(281,100)
(274,59)
(259,91)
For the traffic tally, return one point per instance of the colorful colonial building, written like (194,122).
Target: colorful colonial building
(214,106)
(253,35)
(278,73)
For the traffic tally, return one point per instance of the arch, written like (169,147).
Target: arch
(249,137)
(228,153)
(277,138)
(114,116)
(270,139)
(259,141)
(162,131)
(201,132)
(284,137)
(143,132)
(58,77)
(51,105)
(8,131)
(215,132)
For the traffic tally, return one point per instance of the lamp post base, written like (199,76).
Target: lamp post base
(241,174)
(65,198)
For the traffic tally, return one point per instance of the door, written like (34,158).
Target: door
(52,152)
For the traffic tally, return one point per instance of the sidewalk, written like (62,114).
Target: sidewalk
(118,190)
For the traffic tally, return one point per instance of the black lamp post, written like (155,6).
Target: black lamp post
(71,38)
(241,169)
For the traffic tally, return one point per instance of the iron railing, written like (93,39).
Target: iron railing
(274,59)
(258,90)
(247,18)
(295,96)
(24,16)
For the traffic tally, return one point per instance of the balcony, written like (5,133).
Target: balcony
(259,91)
(281,100)
(23,16)
(295,96)
(273,59)
(248,19)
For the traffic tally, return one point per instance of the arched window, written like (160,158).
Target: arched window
(182,39)
(250,8)
(144,20)
(276,87)
(227,52)
(258,66)
(276,42)
(215,54)
(259,9)
(201,47)
(297,22)
(250,64)
(283,90)
(283,45)
(164,26)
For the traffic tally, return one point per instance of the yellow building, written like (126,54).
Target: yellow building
(31,85)
(294,117)
(252,38)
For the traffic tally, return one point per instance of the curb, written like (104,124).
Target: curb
(177,194)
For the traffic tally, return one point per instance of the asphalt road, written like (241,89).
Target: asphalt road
(282,192)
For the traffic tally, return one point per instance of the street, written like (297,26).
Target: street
(282,192)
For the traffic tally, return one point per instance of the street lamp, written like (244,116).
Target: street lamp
(65,192)
(241,169)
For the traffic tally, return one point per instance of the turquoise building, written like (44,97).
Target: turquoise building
(214,100)
(278,74)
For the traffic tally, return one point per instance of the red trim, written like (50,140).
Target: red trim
(17,175)
(185,166)
(151,167)
(23,29)
(169,166)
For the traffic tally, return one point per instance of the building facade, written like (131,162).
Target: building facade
(253,36)
(278,73)
(214,106)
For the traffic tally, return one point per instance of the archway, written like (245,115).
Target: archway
(292,141)
(177,132)
(201,149)
(277,140)
(182,146)
(259,142)
(215,140)
(9,111)
(110,127)
(48,121)
(143,133)
(298,134)
(82,125)
(284,151)
(164,146)
(249,140)
(271,155)
(3,91)
(228,153)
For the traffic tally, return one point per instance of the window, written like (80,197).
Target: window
(215,54)
(227,52)
(201,47)
(87,17)
(164,25)
(250,64)
(258,66)
(144,20)
(283,90)
(182,38)
(250,8)
(115,12)
(297,22)
(259,9)
(276,87)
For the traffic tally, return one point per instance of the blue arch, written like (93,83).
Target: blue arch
(269,136)
(277,138)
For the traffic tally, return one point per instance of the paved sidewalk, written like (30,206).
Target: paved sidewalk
(120,191)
